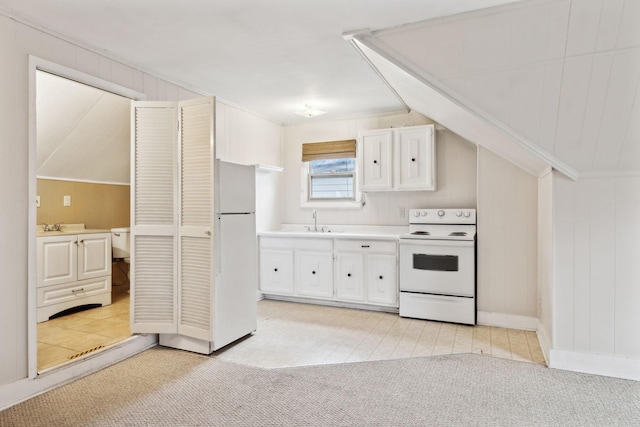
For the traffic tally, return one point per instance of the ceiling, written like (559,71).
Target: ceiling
(272,58)
(83,132)
(541,82)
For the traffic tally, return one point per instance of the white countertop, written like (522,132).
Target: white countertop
(380,232)
(67,229)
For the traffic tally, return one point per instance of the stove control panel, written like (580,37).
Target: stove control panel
(442,216)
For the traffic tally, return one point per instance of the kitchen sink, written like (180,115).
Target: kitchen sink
(311,231)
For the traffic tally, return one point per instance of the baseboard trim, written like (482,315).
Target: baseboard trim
(330,303)
(597,364)
(19,391)
(504,320)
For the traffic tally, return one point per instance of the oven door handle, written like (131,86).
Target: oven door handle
(431,243)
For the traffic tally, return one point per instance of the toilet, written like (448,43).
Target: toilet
(120,245)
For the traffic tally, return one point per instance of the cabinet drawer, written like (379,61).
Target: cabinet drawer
(378,246)
(320,244)
(438,307)
(73,291)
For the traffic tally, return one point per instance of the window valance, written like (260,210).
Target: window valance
(329,150)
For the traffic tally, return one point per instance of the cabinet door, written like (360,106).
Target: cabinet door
(382,284)
(314,274)
(276,271)
(376,160)
(349,277)
(57,260)
(415,166)
(94,255)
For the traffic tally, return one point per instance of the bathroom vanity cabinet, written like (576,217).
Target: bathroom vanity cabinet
(73,270)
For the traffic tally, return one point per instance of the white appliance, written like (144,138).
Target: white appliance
(438,266)
(235,261)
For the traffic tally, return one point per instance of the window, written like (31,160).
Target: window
(329,174)
(332,179)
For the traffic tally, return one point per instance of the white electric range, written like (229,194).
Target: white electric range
(438,266)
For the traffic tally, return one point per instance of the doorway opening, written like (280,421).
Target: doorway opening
(79,178)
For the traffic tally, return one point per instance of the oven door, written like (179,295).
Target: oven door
(443,267)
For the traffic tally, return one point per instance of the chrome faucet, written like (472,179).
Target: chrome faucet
(54,227)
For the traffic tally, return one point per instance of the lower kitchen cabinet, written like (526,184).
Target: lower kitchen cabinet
(354,271)
(314,274)
(349,278)
(382,285)
(276,271)
(372,266)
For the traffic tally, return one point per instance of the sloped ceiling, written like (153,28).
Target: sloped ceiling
(561,77)
(83,133)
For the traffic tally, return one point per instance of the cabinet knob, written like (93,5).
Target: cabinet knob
(413,159)
(381,277)
(375,161)
(348,274)
(275,269)
(313,272)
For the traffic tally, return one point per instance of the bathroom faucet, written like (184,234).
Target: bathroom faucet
(55,227)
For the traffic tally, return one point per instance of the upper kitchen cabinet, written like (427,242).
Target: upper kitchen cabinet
(398,159)
(376,157)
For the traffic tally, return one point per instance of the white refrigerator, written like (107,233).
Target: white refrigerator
(235,265)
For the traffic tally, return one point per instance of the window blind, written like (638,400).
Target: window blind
(329,150)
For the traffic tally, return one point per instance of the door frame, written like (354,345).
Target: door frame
(40,64)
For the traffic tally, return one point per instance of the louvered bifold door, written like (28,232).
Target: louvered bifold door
(154,132)
(195,277)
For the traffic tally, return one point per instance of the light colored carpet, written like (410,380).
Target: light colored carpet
(163,387)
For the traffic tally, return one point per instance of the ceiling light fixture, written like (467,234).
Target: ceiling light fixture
(309,111)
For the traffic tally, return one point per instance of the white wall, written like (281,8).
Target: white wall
(456,173)
(597,271)
(244,138)
(507,248)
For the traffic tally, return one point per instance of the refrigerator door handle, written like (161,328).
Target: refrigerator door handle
(216,245)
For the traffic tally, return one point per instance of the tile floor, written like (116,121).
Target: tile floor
(59,340)
(291,334)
